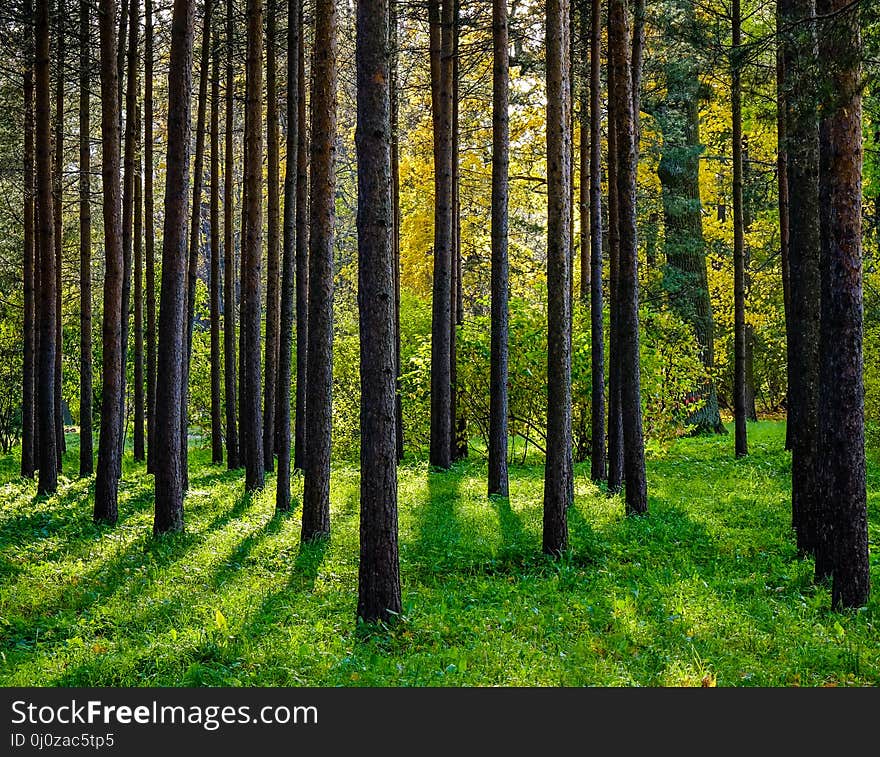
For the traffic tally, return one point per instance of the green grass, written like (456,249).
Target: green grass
(707,589)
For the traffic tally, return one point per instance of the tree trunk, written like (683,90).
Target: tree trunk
(139,447)
(319,415)
(739,253)
(216,400)
(195,233)
(784,229)
(288,284)
(149,238)
(273,263)
(558,472)
(86,445)
(58,190)
(615,419)
(29,318)
(842,487)
(395,199)
(441,22)
(498,402)
(628,283)
(379,571)
(128,179)
(172,348)
(251,254)
(802,148)
(47,482)
(233,459)
(109,441)
(597,344)
(302,259)
(685,278)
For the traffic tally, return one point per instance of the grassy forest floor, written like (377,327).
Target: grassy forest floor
(706,590)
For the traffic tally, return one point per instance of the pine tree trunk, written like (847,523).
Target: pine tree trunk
(395,199)
(216,399)
(802,149)
(302,260)
(842,507)
(784,229)
(319,415)
(110,439)
(57,191)
(251,254)
(139,440)
(597,343)
(47,482)
(149,237)
(29,317)
(441,22)
(128,179)
(739,253)
(172,349)
(378,572)
(288,283)
(195,233)
(628,283)
(86,444)
(233,459)
(498,400)
(557,472)
(457,419)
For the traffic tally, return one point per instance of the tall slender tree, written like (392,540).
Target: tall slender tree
(316,490)
(172,348)
(139,441)
(233,460)
(58,220)
(252,426)
(195,229)
(149,236)
(379,571)
(395,199)
(86,444)
(619,46)
(741,442)
(498,401)
(216,399)
(29,452)
(842,507)
(110,440)
(288,290)
(558,472)
(801,146)
(273,261)
(47,483)
(302,258)
(442,85)
(597,342)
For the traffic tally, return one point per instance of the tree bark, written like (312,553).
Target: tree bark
(741,443)
(252,252)
(110,439)
(29,450)
(843,541)
(233,459)
(598,469)
(86,444)
(802,148)
(378,571)
(441,22)
(288,283)
(558,472)
(273,262)
(302,259)
(58,191)
(149,237)
(395,199)
(216,399)
(195,232)
(628,284)
(784,229)
(498,398)
(139,430)
(319,411)
(172,349)
(47,482)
